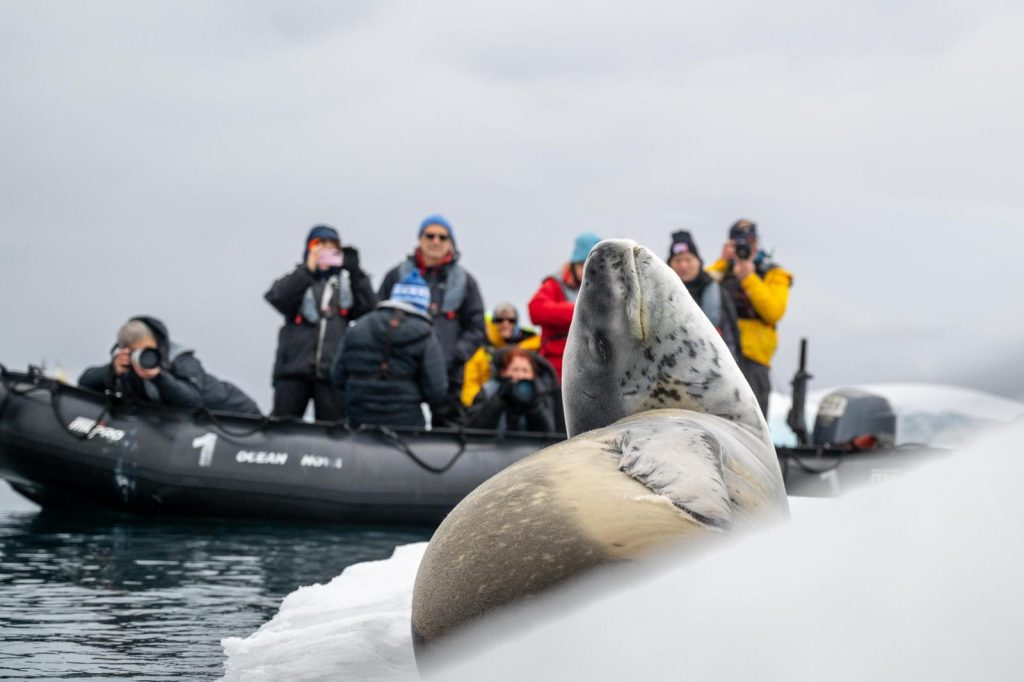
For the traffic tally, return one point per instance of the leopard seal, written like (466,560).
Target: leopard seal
(667,444)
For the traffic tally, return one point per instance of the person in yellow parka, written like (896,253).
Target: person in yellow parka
(759,290)
(503,331)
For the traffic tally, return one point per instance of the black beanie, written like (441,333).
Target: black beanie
(743,229)
(319,232)
(682,242)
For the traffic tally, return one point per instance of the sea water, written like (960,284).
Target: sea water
(101,596)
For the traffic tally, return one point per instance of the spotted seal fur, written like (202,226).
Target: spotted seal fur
(667,444)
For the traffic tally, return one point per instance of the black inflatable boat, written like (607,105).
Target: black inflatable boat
(65,447)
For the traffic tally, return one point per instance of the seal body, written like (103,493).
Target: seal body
(601,497)
(668,444)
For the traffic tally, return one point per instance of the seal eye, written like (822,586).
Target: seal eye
(602,348)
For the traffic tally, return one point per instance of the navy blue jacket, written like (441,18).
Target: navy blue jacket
(390,362)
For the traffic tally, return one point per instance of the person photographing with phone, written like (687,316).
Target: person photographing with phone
(145,365)
(317,300)
(759,290)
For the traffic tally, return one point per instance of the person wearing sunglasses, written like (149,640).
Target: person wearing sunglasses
(317,299)
(503,331)
(456,306)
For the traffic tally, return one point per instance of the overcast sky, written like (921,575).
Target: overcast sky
(169,157)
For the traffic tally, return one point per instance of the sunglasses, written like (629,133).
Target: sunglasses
(499,320)
(440,236)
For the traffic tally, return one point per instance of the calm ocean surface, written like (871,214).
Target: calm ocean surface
(91,597)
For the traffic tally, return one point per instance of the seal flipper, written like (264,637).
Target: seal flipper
(681,461)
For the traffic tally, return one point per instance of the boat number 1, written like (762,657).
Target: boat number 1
(206,444)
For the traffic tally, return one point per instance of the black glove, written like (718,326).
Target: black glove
(446,412)
(351,261)
(505,390)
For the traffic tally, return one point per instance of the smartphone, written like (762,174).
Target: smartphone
(329,258)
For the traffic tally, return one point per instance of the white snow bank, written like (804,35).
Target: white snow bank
(354,627)
(917,578)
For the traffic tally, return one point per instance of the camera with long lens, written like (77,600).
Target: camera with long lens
(146,358)
(524,391)
(742,247)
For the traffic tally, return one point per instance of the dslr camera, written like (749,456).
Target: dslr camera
(146,358)
(742,247)
(523,391)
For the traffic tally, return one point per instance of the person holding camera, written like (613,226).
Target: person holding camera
(519,399)
(759,290)
(317,299)
(146,366)
(391,361)
(503,331)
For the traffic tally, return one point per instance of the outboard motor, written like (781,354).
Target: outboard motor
(849,413)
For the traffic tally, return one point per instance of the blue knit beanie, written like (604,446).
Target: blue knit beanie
(436,220)
(413,290)
(584,243)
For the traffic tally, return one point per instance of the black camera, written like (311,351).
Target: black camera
(146,358)
(523,391)
(743,250)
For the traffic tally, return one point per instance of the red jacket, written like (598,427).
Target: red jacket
(550,309)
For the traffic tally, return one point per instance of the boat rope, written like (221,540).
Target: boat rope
(55,395)
(404,447)
(41,382)
(261,422)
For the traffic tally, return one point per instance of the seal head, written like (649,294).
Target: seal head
(639,341)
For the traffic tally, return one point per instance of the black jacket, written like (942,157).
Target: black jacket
(496,408)
(461,331)
(182,381)
(306,348)
(390,362)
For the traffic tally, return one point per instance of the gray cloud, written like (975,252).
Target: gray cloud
(169,157)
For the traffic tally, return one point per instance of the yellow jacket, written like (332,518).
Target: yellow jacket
(768,297)
(478,367)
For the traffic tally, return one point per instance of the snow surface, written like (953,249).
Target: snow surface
(917,578)
(354,627)
(914,578)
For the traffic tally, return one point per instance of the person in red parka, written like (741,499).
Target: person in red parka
(551,307)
